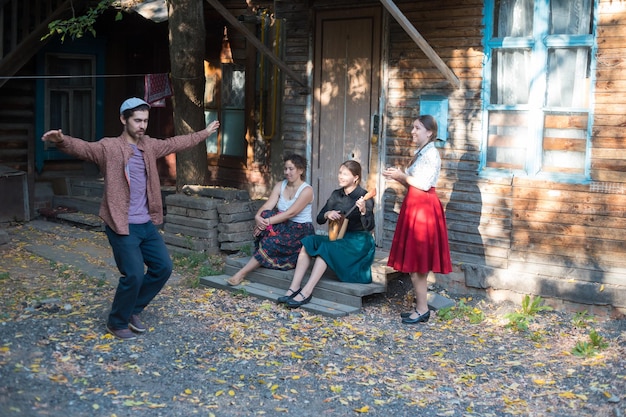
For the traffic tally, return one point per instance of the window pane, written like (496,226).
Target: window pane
(506,141)
(513,18)
(60,116)
(76,71)
(233,89)
(565,143)
(568,77)
(570,17)
(71,99)
(510,83)
(211,141)
(233,110)
(82,115)
(233,133)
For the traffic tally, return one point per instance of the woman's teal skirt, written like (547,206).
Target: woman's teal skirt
(350,258)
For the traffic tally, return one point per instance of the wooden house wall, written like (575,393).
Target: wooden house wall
(510,235)
(514,235)
(17,127)
(297,54)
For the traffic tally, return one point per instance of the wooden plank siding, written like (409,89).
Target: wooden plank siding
(562,241)
(298,20)
(477,212)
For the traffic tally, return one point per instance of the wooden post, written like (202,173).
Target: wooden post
(421,42)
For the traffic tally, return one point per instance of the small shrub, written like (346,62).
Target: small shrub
(584,349)
(473,314)
(591,348)
(517,321)
(582,319)
(521,318)
(532,307)
(597,340)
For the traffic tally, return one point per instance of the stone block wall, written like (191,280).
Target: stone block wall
(209,220)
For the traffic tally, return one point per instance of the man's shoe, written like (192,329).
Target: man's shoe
(135,324)
(124,334)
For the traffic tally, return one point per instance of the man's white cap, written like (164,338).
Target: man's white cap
(132,103)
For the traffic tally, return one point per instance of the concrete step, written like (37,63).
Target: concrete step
(82,220)
(86,187)
(329,288)
(331,297)
(85,204)
(261,290)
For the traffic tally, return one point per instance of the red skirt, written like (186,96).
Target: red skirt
(420,242)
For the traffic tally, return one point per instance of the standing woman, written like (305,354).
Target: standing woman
(350,257)
(281,222)
(420,242)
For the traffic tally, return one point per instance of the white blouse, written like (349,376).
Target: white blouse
(426,167)
(305,216)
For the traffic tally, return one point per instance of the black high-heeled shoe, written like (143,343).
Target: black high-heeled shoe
(285,298)
(421,318)
(291,303)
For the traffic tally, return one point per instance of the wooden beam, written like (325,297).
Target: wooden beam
(21,52)
(421,42)
(254,41)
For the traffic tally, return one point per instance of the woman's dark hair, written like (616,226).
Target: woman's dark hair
(429,123)
(354,167)
(298,161)
(128,113)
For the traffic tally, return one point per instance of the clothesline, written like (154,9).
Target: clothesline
(50,77)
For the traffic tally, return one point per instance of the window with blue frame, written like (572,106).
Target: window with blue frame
(70,94)
(537,87)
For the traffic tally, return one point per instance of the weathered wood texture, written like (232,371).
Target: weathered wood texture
(478,213)
(609,135)
(554,239)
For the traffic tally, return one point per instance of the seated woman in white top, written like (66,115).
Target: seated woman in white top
(282,222)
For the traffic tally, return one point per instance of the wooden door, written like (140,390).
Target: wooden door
(346,96)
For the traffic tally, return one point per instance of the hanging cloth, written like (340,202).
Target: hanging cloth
(157,89)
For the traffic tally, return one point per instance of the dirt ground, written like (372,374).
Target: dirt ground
(214,353)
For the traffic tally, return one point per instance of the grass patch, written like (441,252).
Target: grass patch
(590,348)
(193,266)
(582,319)
(462,310)
(521,318)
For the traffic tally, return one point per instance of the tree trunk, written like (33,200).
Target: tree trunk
(187,50)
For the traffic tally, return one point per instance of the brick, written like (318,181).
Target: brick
(176,249)
(216,192)
(236,227)
(192,202)
(196,244)
(210,214)
(191,222)
(238,207)
(236,246)
(233,237)
(190,231)
(237,217)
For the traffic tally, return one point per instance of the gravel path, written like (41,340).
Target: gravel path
(213,353)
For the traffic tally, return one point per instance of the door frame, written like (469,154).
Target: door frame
(376,151)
